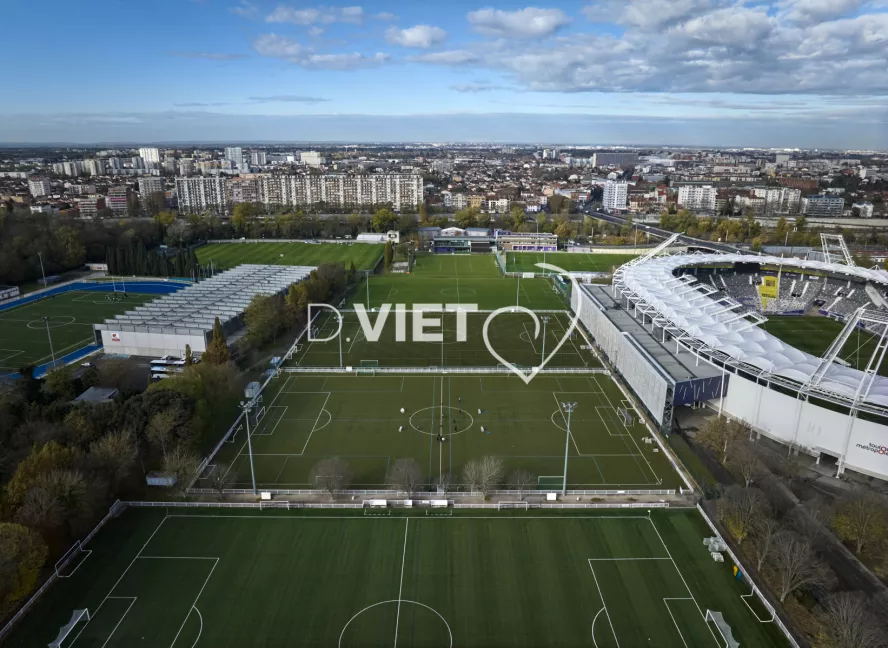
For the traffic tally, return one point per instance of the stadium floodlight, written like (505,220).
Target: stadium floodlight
(566,407)
(49,336)
(339,337)
(40,256)
(544,318)
(247,406)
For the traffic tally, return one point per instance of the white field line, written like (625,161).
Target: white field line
(196,598)
(650,467)
(401,587)
(316,423)
(674,622)
(604,606)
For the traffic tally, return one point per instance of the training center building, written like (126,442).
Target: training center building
(164,326)
(677,341)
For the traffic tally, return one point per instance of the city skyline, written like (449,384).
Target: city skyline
(782,73)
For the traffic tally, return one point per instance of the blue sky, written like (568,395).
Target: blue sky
(795,73)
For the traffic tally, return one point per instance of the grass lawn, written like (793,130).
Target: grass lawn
(358,418)
(23,338)
(524,261)
(814,335)
(233,578)
(228,255)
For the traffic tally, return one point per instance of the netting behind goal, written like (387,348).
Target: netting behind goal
(68,564)
(625,416)
(77,617)
(512,505)
(367,368)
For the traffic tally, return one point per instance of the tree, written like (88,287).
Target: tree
(60,383)
(720,435)
(40,510)
(22,554)
(179,233)
(115,454)
(746,463)
(443,482)
(183,465)
(44,459)
(861,520)
(217,350)
(263,319)
(159,430)
(384,220)
(389,255)
(521,480)
(849,623)
(483,474)
(241,217)
(332,475)
(739,509)
(765,534)
(221,479)
(189,356)
(296,304)
(795,565)
(405,475)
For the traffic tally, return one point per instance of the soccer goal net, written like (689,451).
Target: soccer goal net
(76,618)
(625,416)
(68,564)
(718,619)
(272,504)
(367,368)
(512,505)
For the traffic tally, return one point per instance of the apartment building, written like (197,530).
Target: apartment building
(779,200)
(149,185)
(117,200)
(614,159)
(39,186)
(825,206)
(150,155)
(202,194)
(401,190)
(244,189)
(498,206)
(615,195)
(90,205)
(95,167)
(697,197)
(312,159)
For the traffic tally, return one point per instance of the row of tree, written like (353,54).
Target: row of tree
(135,259)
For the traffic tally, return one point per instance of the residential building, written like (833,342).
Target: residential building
(498,206)
(618,159)
(865,209)
(475,201)
(825,206)
(782,158)
(698,197)
(42,208)
(151,155)
(258,158)
(202,194)
(90,205)
(186,167)
(169,165)
(459,201)
(235,154)
(149,185)
(72,169)
(117,200)
(799,183)
(402,190)
(312,159)
(616,194)
(244,189)
(94,167)
(39,186)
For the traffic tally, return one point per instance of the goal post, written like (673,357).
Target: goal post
(512,505)
(76,554)
(367,368)
(76,617)
(625,417)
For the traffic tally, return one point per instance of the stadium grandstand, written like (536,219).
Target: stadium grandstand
(703,313)
(165,326)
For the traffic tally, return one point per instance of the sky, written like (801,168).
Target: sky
(776,73)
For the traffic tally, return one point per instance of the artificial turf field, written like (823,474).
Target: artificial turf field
(570,261)
(192,578)
(23,338)
(358,418)
(814,334)
(227,255)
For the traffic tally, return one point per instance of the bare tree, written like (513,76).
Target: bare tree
(160,429)
(472,475)
(521,480)
(795,565)
(765,534)
(116,454)
(483,474)
(792,465)
(739,509)
(746,463)
(721,436)
(405,475)
(183,465)
(443,482)
(861,519)
(221,479)
(40,509)
(332,475)
(849,623)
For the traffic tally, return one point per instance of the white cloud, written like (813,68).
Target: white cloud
(645,14)
(210,56)
(734,25)
(385,16)
(276,46)
(476,87)
(450,57)
(288,98)
(530,22)
(421,36)
(316,15)
(809,12)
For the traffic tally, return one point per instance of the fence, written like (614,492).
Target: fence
(755,589)
(114,511)
(446,370)
(389,492)
(399,504)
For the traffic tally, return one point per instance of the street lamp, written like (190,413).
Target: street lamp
(49,336)
(567,407)
(247,406)
(544,318)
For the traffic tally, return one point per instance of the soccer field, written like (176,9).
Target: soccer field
(188,578)
(227,255)
(23,337)
(814,335)
(307,418)
(570,261)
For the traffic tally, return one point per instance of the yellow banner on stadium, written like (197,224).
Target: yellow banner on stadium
(768,289)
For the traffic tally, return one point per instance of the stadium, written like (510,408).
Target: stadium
(792,347)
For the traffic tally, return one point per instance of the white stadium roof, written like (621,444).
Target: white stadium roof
(708,321)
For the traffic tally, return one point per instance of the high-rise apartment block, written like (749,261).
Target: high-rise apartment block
(825,206)
(117,200)
(699,197)
(258,158)
(39,186)
(312,159)
(151,155)
(618,159)
(149,185)
(202,194)
(615,195)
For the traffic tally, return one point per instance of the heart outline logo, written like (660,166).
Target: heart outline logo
(530,375)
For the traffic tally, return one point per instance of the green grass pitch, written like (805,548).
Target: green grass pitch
(570,261)
(422,578)
(814,335)
(358,418)
(23,338)
(227,255)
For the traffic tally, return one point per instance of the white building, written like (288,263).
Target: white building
(235,154)
(779,200)
(865,209)
(701,197)
(150,155)
(312,159)
(615,195)
(39,186)
(459,201)
(202,194)
(498,206)
(149,185)
(402,190)
(258,158)
(825,206)
(186,166)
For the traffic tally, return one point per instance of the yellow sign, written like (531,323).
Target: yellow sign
(768,289)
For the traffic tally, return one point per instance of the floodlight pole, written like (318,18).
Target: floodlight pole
(40,256)
(49,336)
(545,319)
(367,281)
(518,289)
(247,407)
(567,407)
(339,337)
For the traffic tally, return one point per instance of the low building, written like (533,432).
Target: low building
(89,206)
(824,206)
(526,241)
(865,209)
